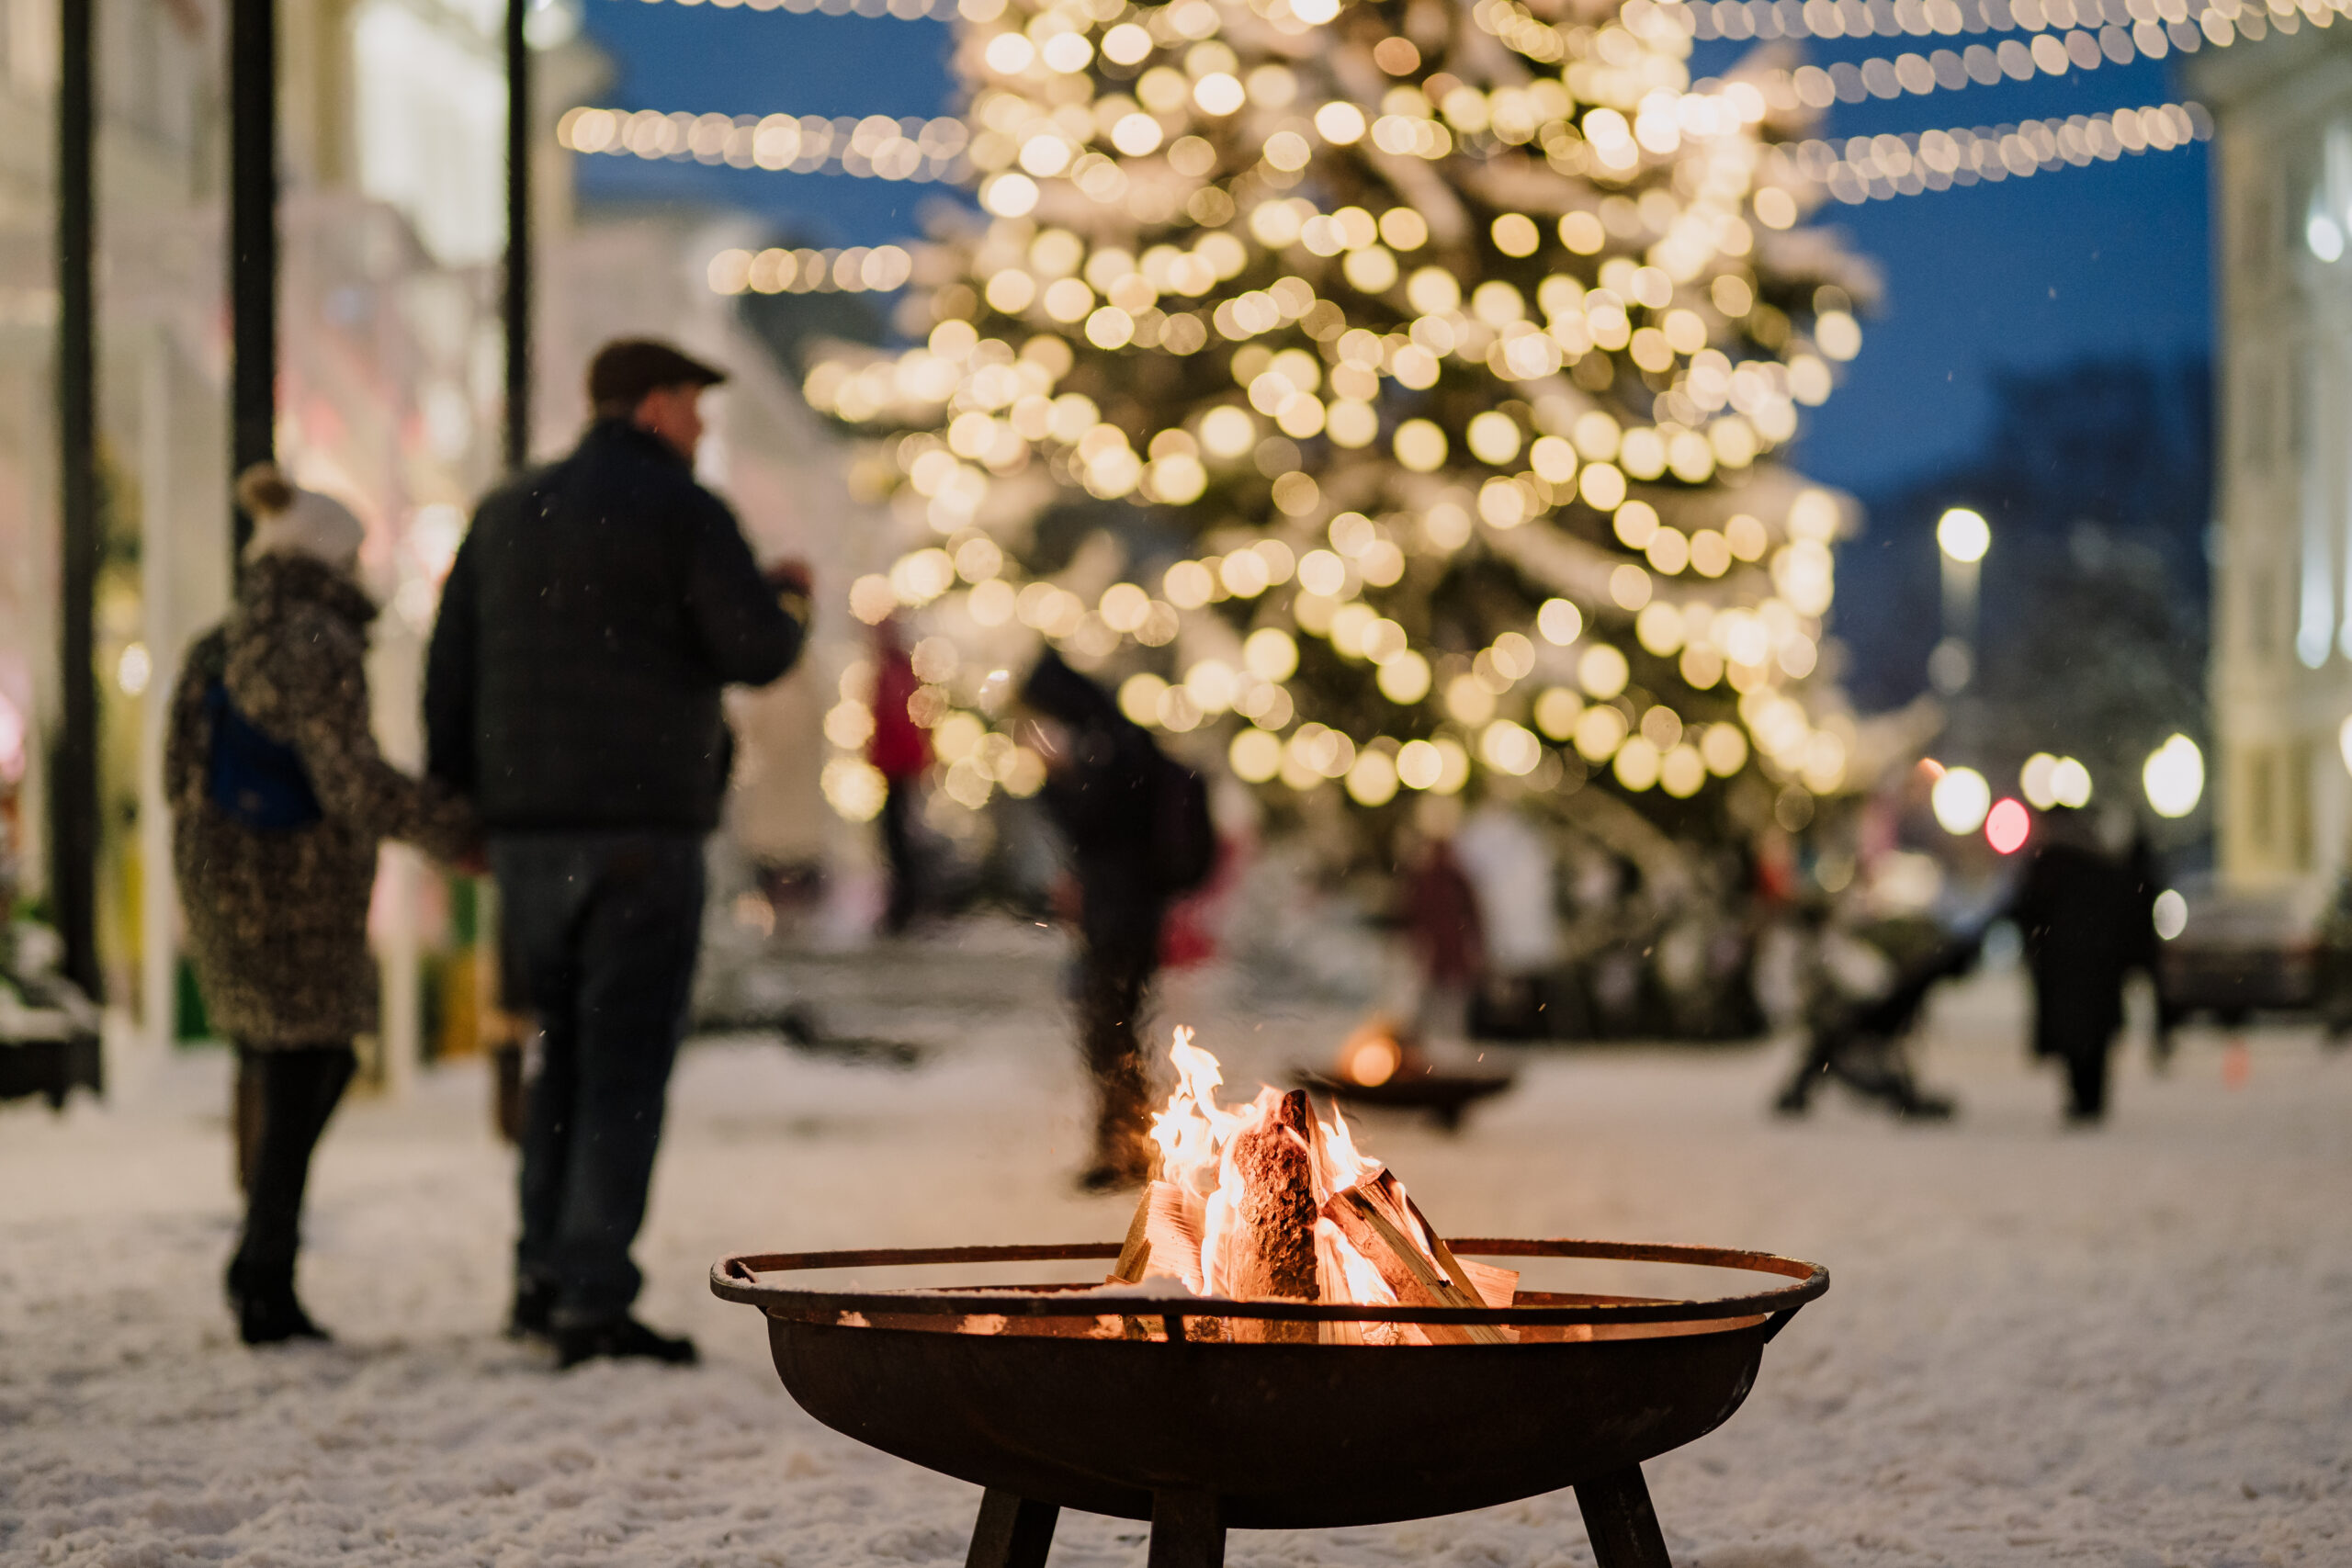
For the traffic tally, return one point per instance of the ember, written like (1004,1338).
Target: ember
(1265,1201)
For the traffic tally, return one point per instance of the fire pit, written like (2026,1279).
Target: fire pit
(1054,1396)
(1284,1341)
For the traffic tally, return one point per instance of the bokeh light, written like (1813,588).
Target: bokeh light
(1960,799)
(2007,825)
(1963,534)
(2174,777)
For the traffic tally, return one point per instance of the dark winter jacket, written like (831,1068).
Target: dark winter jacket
(1101,796)
(593,615)
(2085,921)
(277,918)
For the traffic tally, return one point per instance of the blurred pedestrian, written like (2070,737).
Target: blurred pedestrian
(1139,835)
(592,617)
(2085,920)
(278,799)
(1443,930)
(900,750)
(1866,984)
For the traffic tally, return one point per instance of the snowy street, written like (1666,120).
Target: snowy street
(2126,1346)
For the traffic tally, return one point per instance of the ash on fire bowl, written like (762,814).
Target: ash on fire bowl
(1018,1389)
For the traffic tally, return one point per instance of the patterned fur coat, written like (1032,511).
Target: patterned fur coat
(277,919)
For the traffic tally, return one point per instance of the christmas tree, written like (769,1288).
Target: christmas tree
(1389,390)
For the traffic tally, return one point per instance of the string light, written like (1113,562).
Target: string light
(902,10)
(2184,27)
(857,269)
(2106,35)
(874,147)
(1867,168)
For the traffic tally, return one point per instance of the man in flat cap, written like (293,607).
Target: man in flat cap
(595,614)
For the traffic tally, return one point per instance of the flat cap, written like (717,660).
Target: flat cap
(626,369)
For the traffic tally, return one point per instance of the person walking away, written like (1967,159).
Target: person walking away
(1448,941)
(2084,917)
(1139,835)
(595,614)
(900,750)
(278,799)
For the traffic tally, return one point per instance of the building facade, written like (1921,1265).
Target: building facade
(2281,681)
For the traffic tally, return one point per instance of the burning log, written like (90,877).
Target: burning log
(1134,1255)
(1380,1223)
(1272,1250)
(1164,1237)
(1264,1201)
(1482,1282)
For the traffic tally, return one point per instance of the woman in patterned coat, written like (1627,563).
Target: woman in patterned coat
(279,797)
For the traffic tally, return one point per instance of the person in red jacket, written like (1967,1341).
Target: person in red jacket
(900,750)
(1447,938)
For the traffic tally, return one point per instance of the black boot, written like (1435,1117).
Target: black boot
(620,1339)
(268,1311)
(532,1314)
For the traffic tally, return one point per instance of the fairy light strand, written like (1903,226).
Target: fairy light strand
(857,269)
(898,10)
(1740,20)
(1867,168)
(873,147)
(2100,40)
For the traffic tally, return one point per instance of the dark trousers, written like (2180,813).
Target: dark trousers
(288,1092)
(2086,1084)
(899,845)
(1118,954)
(601,931)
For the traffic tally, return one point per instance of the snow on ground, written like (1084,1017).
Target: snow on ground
(2128,1347)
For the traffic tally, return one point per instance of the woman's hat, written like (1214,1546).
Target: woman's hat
(292,521)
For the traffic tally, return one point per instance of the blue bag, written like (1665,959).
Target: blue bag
(254,779)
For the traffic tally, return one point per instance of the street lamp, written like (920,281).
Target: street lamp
(1964,536)
(2174,777)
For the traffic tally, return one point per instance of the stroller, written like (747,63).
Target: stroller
(1860,1014)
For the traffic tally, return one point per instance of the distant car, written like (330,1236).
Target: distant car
(2243,952)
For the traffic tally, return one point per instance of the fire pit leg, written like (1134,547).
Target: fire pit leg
(1012,1532)
(1622,1525)
(1186,1531)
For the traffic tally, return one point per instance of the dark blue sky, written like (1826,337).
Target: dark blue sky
(2107,259)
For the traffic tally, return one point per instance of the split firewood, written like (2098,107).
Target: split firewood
(1164,1237)
(1271,1251)
(1495,1287)
(1135,1256)
(1172,1234)
(1374,1218)
(1483,1282)
(1328,1268)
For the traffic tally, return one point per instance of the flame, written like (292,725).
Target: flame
(1196,1136)
(1361,1282)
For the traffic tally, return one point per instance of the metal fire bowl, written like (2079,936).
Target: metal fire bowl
(1281,1435)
